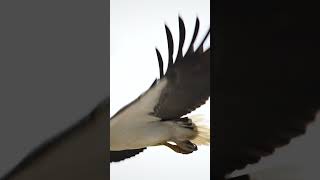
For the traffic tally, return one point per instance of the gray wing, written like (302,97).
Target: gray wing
(78,153)
(245,130)
(188,78)
(264,95)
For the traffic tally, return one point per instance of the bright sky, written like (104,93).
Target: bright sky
(137,27)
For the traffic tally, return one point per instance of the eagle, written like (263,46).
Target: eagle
(158,116)
(154,118)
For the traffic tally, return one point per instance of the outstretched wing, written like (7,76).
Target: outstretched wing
(184,87)
(77,153)
(245,130)
(264,93)
(188,78)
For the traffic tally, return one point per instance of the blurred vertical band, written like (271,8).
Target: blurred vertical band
(54,74)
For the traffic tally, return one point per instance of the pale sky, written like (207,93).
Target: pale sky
(136,28)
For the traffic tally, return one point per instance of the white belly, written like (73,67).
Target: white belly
(133,128)
(138,134)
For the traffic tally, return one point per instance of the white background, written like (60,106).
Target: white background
(136,28)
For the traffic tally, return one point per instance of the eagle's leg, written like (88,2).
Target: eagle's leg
(175,148)
(185,147)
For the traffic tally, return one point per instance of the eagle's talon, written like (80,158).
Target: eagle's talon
(185,147)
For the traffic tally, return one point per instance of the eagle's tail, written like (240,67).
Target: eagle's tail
(203,132)
(187,133)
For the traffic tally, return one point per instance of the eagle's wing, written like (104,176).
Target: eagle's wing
(264,96)
(188,78)
(245,130)
(116,156)
(77,153)
(184,87)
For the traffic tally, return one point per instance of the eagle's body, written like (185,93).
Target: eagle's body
(135,128)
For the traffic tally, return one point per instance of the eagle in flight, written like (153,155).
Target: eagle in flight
(249,123)
(157,117)
(154,118)
(255,113)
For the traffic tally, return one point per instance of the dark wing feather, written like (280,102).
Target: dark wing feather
(182,32)
(266,87)
(246,129)
(67,155)
(116,156)
(188,78)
